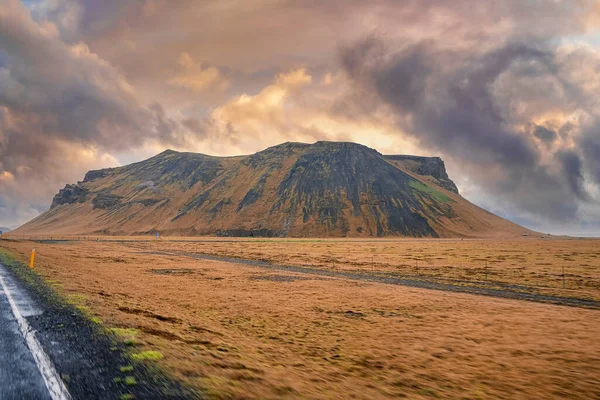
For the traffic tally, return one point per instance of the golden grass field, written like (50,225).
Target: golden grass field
(242,332)
(538,264)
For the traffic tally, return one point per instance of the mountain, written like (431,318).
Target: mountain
(325,189)
(5,230)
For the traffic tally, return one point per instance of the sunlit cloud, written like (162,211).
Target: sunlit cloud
(195,76)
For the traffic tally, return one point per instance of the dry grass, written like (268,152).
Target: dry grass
(241,332)
(536,263)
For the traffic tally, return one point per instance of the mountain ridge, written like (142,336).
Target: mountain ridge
(324,189)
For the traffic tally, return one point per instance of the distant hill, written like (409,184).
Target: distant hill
(4,230)
(326,189)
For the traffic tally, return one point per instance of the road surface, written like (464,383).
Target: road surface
(25,370)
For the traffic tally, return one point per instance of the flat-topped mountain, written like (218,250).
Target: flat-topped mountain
(325,189)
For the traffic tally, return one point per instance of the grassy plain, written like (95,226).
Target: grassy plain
(538,264)
(241,332)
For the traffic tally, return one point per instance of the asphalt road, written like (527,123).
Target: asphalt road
(20,377)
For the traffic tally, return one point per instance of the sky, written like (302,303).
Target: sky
(505,91)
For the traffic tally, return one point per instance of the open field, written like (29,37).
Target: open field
(535,263)
(239,331)
(566,267)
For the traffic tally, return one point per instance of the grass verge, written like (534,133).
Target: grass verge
(145,380)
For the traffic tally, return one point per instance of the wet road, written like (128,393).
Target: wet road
(20,377)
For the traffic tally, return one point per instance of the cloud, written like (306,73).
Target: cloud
(294,107)
(590,144)
(506,91)
(475,101)
(66,14)
(572,168)
(544,134)
(194,76)
(68,91)
(60,102)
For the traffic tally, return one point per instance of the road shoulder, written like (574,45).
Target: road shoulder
(87,359)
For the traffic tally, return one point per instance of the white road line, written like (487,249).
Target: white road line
(55,385)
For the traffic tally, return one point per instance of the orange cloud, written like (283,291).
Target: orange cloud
(293,107)
(194,76)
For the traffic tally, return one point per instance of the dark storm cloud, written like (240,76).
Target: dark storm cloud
(544,134)
(453,109)
(456,102)
(572,168)
(590,144)
(66,91)
(57,97)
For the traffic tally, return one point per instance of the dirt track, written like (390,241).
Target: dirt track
(517,292)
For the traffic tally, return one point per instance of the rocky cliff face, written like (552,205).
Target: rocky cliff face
(331,184)
(69,195)
(294,189)
(427,166)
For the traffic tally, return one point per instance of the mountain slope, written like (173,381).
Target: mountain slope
(294,189)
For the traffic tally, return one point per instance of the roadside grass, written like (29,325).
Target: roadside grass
(15,263)
(149,355)
(51,293)
(124,335)
(124,332)
(130,381)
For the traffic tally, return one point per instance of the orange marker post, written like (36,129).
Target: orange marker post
(32,258)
